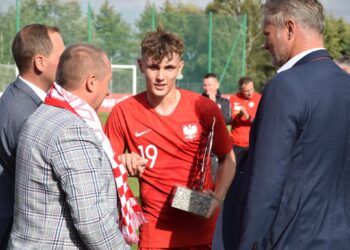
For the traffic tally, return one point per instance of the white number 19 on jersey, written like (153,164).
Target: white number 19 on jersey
(151,153)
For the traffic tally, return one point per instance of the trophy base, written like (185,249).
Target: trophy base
(192,201)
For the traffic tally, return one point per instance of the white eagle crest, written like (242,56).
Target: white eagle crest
(190,131)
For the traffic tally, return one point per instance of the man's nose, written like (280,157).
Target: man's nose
(160,74)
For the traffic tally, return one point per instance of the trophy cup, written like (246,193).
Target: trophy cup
(192,200)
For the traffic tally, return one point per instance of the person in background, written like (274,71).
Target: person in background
(244,106)
(170,127)
(299,154)
(344,63)
(36,49)
(211,90)
(66,195)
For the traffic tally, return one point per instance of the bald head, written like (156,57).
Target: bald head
(77,62)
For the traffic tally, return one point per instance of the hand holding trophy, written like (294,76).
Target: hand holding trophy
(198,201)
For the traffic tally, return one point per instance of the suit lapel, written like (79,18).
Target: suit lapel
(314,56)
(22,86)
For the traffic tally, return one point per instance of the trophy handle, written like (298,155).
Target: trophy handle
(206,155)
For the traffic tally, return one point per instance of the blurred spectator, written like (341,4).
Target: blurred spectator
(211,90)
(244,107)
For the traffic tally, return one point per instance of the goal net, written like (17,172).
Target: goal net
(123,85)
(123,79)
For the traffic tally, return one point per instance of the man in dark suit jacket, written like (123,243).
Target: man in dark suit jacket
(211,90)
(36,49)
(299,158)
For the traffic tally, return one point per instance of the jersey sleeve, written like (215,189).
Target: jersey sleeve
(114,130)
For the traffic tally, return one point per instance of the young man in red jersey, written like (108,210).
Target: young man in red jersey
(170,127)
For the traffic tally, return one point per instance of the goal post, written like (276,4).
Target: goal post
(122,79)
(122,85)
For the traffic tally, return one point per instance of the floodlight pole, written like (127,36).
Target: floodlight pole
(89,21)
(18,11)
(154,17)
(210,40)
(244,45)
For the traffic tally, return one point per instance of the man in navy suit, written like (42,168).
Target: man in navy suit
(36,49)
(299,158)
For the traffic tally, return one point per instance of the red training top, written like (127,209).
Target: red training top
(240,126)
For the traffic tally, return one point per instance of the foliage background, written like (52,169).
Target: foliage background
(121,39)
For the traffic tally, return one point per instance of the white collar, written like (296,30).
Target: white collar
(295,59)
(38,91)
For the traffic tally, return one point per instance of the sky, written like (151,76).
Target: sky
(336,8)
(131,9)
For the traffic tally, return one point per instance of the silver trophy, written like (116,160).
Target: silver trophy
(194,200)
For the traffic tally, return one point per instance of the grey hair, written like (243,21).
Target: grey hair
(307,13)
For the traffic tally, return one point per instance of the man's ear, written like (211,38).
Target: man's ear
(39,62)
(91,83)
(290,29)
(139,62)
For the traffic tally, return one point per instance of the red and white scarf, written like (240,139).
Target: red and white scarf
(131,214)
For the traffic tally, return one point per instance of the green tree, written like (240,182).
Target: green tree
(66,15)
(114,35)
(192,24)
(7,33)
(258,64)
(337,36)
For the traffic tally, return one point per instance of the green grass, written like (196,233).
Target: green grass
(103,117)
(134,185)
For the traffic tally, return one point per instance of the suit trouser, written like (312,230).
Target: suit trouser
(6,231)
(227,231)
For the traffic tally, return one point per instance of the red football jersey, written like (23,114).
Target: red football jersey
(174,147)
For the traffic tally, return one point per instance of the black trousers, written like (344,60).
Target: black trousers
(234,203)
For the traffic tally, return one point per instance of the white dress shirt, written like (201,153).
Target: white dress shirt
(295,59)
(41,93)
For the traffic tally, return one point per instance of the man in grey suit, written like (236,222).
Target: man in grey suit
(66,194)
(299,156)
(36,49)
